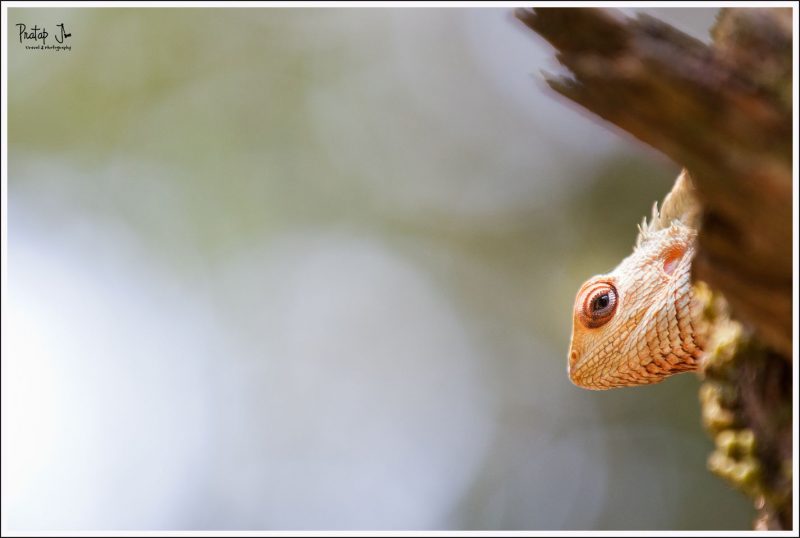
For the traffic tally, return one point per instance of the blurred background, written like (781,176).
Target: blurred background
(314,269)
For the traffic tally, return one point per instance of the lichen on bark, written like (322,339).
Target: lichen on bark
(746,401)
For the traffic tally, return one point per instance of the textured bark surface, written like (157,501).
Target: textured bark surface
(724,111)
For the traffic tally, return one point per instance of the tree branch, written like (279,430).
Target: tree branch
(725,113)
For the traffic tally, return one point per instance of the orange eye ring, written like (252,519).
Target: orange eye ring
(599,305)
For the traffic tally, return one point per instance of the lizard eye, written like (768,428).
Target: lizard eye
(599,305)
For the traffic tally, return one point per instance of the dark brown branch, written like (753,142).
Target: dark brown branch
(712,111)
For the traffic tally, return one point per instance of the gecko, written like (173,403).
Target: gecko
(637,324)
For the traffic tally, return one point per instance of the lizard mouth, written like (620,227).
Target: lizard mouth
(576,371)
(580,381)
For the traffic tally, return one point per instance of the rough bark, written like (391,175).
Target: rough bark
(724,111)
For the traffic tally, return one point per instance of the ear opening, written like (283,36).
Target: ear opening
(672,258)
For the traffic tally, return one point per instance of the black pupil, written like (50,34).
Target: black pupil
(601,302)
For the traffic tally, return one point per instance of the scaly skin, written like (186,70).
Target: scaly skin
(636,324)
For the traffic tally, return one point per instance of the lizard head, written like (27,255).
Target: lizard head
(634,325)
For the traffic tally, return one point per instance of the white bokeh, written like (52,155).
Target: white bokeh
(326,383)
